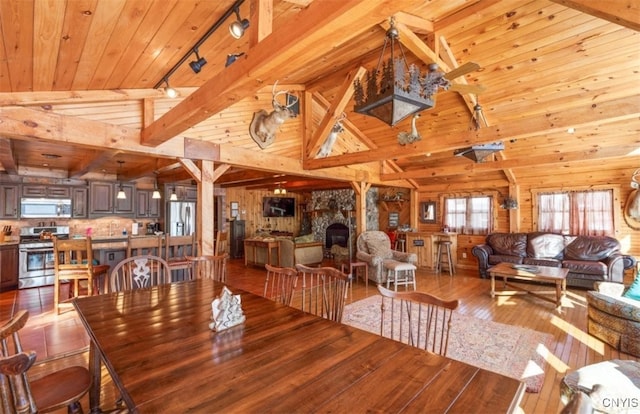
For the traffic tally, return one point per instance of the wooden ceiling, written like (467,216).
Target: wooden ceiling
(77,81)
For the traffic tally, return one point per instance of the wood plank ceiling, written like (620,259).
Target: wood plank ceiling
(82,73)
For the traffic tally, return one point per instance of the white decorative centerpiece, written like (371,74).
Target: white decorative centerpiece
(227,311)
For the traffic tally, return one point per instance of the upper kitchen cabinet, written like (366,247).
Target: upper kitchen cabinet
(146,205)
(79,202)
(103,199)
(45,191)
(9,197)
(183,192)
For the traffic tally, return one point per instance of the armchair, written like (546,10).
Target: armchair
(614,318)
(373,247)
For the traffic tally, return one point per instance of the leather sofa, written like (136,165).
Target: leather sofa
(613,318)
(589,258)
(373,247)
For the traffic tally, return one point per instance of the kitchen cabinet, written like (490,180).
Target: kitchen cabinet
(236,238)
(183,192)
(103,201)
(146,205)
(9,197)
(9,266)
(79,202)
(47,191)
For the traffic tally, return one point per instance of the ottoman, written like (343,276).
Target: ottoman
(400,273)
(620,381)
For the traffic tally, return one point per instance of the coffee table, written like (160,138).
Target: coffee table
(556,275)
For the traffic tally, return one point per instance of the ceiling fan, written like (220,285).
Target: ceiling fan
(464,88)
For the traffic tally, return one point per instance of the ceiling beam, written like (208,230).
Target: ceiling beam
(7,158)
(627,108)
(90,164)
(589,154)
(271,59)
(625,13)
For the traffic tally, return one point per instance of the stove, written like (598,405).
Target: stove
(36,260)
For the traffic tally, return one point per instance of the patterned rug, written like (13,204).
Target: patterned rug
(512,351)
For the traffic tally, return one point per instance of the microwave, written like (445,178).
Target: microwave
(45,208)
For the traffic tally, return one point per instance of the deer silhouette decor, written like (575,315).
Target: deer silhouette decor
(264,125)
(405,138)
(326,148)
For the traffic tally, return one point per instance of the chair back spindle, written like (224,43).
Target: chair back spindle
(280,284)
(324,291)
(417,319)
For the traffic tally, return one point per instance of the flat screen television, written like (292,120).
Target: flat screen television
(278,207)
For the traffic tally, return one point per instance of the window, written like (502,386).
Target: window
(468,215)
(576,212)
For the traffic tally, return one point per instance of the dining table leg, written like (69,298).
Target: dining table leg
(94,372)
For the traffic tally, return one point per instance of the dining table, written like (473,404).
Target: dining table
(158,348)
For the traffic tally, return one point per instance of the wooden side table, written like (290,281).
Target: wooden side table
(356,265)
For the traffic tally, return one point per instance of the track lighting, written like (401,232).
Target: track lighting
(238,27)
(196,65)
(169,91)
(232,57)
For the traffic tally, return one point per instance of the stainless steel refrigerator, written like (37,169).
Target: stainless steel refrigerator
(181,217)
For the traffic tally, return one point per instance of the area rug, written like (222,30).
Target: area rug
(512,351)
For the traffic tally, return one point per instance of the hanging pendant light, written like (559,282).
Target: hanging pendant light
(174,196)
(156,192)
(121,194)
(393,90)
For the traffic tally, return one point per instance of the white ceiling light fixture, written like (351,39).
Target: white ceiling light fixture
(156,193)
(174,196)
(169,91)
(279,190)
(121,194)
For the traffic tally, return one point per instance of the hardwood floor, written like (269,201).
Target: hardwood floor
(50,334)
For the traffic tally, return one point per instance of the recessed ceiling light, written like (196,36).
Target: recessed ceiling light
(571,130)
(51,156)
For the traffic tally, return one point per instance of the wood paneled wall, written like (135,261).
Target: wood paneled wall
(250,204)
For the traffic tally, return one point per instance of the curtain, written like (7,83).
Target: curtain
(468,215)
(580,212)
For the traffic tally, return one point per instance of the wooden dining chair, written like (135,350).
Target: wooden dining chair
(416,318)
(280,284)
(176,251)
(53,391)
(140,272)
(209,267)
(144,245)
(324,291)
(73,262)
(221,242)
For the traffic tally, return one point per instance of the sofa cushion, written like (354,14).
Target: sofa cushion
(379,249)
(591,248)
(307,238)
(585,267)
(542,262)
(508,244)
(545,245)
(497,258)
(620,307)
(634,290)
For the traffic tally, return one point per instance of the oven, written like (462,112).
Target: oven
(36,260)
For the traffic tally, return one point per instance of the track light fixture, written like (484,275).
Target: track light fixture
(196,65)
(169,91)
(232,57)
(238,27)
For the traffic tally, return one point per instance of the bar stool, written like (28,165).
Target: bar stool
(444,249)
(403,273)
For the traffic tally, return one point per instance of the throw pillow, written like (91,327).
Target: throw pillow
(308,238)
(375,249)
(634,290)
